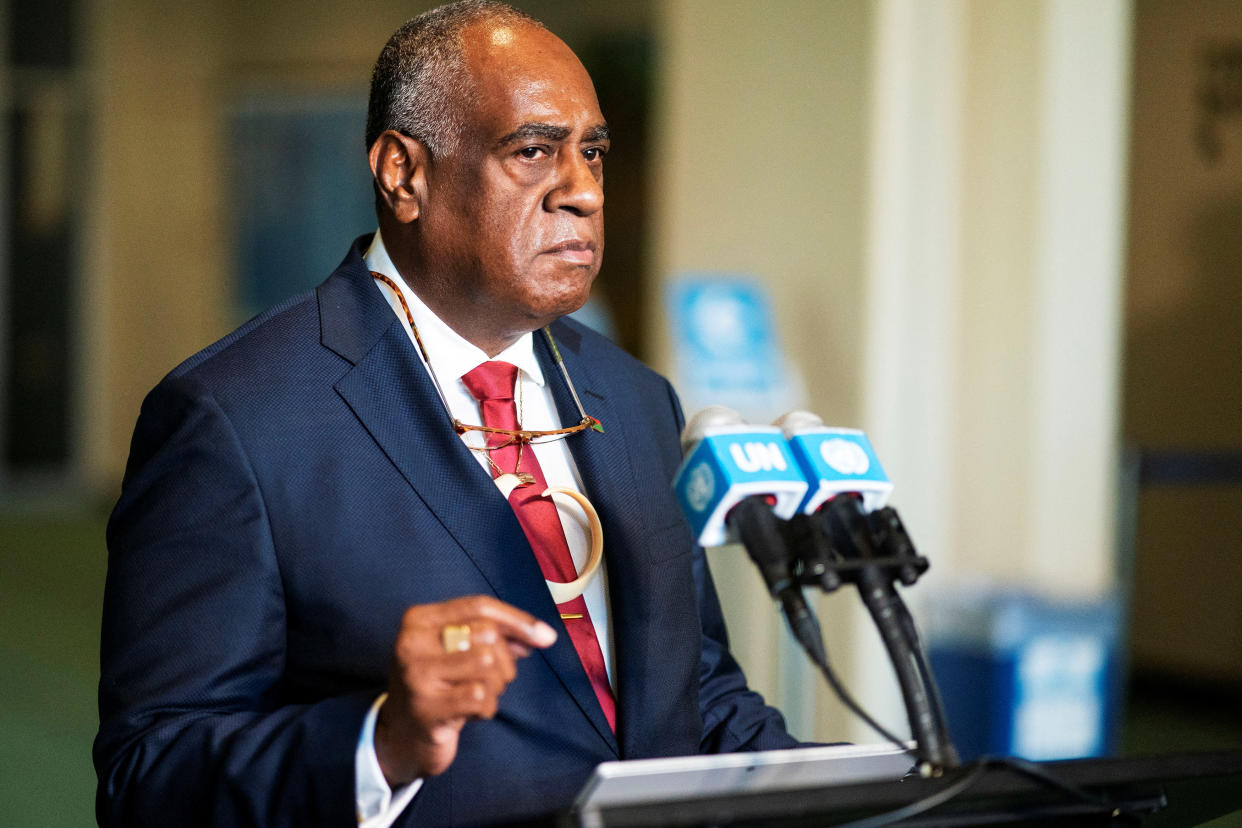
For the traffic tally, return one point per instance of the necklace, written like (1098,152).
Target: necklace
(519,436)
(523,478)
(507,481)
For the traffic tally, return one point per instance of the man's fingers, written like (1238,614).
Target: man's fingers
(473,700)
(484,634)
(514,624)
(508,621)
(454,704)
(432,676)
(493,664)
(452,662)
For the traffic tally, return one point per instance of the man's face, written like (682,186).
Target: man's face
(513,222)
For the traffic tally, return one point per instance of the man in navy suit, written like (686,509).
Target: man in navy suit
(320,607)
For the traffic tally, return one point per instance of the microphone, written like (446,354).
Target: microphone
(835,461)
(739,482)
(728,460)
(841,461)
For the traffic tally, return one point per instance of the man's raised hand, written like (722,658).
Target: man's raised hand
(433,692)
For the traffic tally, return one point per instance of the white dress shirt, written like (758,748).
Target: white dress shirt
(452,357)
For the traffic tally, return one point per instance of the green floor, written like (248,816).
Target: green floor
(51,582)
(51,577)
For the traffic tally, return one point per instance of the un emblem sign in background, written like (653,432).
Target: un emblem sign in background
(701,487)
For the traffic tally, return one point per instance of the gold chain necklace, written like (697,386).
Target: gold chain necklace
(525,478)
(519,436)
(561,592)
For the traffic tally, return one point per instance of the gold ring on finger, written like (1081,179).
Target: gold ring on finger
(455,637)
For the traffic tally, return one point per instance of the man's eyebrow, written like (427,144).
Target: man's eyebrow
(532,129)
(598,133)
(552,132)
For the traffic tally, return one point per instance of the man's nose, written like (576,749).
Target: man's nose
(579,187)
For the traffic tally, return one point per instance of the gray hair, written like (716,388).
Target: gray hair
(419,79)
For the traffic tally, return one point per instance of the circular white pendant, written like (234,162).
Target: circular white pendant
(562,592)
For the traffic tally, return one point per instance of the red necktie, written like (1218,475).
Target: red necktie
(492,385)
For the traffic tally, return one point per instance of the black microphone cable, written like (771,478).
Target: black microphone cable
(889,535)
(846,524)
(759,530)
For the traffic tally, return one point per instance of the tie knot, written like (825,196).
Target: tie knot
(491,381)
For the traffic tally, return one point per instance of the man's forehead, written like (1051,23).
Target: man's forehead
(488,41)
(526,67)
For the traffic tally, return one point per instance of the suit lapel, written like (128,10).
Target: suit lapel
(605,463)
(391,393)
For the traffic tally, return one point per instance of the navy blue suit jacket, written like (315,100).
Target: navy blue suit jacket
(291,490)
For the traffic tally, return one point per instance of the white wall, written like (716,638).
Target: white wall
(947,250)
(761,130)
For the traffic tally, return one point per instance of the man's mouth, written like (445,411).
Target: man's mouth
(574,251)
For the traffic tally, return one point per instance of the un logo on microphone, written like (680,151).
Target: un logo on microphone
(844,456)
(700,487)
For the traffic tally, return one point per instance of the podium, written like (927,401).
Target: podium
(1166,791)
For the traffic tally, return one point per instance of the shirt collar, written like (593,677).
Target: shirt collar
(450,354)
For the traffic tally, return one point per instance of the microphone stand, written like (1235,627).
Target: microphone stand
(842,543)
(890,532)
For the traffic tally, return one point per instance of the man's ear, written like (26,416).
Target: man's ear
(399,168)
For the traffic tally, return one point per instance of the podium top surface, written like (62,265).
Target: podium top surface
(1166,791)
(690,777)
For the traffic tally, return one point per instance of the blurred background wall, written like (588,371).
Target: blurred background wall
(1001,236)
(1183,359)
